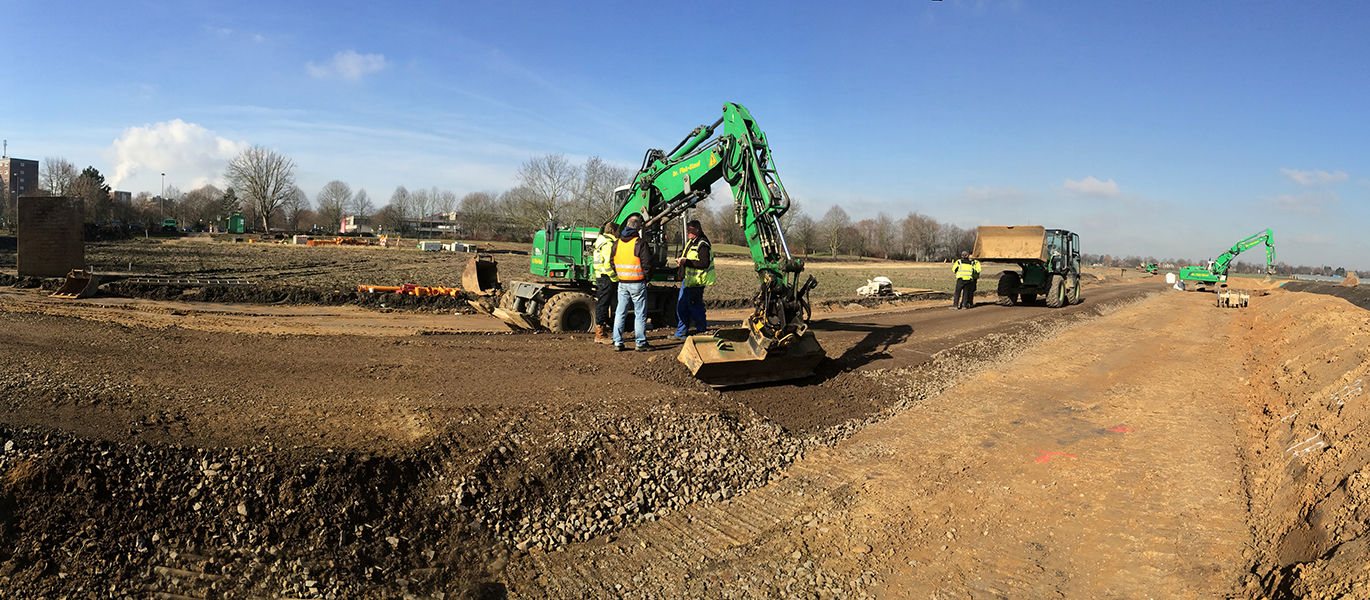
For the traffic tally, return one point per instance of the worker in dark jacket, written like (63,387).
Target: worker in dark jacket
(632,265)
(696,266)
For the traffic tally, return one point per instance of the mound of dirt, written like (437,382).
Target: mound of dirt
(1358,296)
(1307,472)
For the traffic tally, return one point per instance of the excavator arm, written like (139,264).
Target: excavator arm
(1217,269)
(1224,261)
(670,183)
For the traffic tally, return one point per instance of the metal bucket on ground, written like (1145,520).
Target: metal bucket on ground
(727,358)
(78,284)
(481,276)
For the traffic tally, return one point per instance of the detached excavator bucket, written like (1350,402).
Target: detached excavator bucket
(481,276)
(726,358)
(79,284)
(1010,243)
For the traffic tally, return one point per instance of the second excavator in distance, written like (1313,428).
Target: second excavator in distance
(774,342)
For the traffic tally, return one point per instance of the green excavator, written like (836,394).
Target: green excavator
(774,342)
(1216,270)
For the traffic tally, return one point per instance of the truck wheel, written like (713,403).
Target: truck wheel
(569,312)
(1056,293)
(1008,288)
(1073,289)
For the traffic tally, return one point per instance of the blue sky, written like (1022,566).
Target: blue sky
(1165,129)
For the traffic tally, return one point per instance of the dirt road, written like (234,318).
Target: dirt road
(1111,449)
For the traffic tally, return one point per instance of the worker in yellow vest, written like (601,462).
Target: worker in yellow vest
(967,273)
(696,266)
(606,280)
(632,265)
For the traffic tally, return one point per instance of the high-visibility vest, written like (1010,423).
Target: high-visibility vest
(698,277)
(604,259)
(967,270)
(626,265)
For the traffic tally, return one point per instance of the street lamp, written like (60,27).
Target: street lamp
(163,196)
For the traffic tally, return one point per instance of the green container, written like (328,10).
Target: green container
(237,224)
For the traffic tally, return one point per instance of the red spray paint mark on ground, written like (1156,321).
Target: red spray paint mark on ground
(1123,429)
(1046,456)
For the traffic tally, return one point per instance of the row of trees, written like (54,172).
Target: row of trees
(263,188)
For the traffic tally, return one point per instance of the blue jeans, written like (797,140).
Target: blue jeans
(635,292)
(690,306)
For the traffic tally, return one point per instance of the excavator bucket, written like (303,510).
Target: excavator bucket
(996,243)
(79,284)
(726,358)
(481,276)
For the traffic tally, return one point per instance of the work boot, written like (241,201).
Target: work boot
(602,335)
(643,347)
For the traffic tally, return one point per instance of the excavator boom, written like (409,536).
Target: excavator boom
(774,343)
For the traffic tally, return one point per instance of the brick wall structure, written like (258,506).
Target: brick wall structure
(50,236)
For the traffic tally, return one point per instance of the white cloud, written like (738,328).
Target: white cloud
(192,155)
(990,194)
(1307,203)
(1313,239)
(1089,186)
(347,65)
(1315,177)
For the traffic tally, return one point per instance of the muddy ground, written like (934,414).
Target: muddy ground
(1139,444)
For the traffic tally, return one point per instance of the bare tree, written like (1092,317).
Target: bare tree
(550,183)
(447,201)
(835,228)
(264,178)
(400,209)
(919,233)
(804,233)
(361,205)
(57,176)
(294,207)
(229,204)
(201,205)
(882,234)
(332,200)
(478,214)
(595,195)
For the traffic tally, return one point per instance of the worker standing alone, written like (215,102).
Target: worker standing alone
(606,281)
(632,264)
(696,266)
(967,273)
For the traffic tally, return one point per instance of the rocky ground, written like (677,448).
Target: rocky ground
(1140,441)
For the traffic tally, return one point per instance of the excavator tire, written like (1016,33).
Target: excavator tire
(667,317)
(569,312)
(1008,286)
(1073,289)
(1056,293)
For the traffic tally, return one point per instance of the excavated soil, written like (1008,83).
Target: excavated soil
(1141,443)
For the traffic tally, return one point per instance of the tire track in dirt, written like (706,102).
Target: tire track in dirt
(1100,463)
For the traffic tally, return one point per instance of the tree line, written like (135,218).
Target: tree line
(261,187)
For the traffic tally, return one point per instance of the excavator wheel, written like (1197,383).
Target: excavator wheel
(1056,292)
(569,312)
(1008,286)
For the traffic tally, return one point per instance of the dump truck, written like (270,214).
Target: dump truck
(1048,261)
(774,342)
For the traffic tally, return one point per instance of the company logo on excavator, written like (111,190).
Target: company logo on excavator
(683,170)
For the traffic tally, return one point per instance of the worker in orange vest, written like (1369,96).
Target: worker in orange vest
(632,265)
